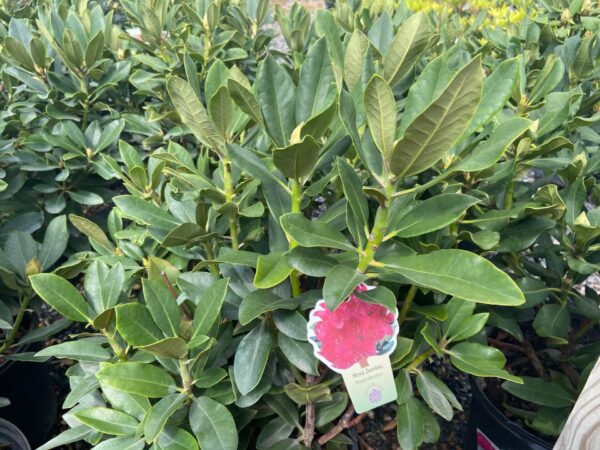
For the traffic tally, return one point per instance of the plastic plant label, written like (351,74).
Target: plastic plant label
(356,340)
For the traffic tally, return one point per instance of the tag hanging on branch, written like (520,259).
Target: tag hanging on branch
(356,340)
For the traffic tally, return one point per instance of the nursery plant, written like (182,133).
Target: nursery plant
(298,186)
(211,189)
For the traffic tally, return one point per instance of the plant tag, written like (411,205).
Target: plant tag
(356,340)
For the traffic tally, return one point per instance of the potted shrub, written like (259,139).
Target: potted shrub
(196,305)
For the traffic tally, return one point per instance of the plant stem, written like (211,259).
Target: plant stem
(375,239)
(228,183)
(309,423)
(114,345)
(213,267)
(345,422)
(186,377)
(17,325)
(296,197)
(420,359)
(508,195)
(407,303)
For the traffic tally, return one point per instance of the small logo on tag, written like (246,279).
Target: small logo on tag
(356,340)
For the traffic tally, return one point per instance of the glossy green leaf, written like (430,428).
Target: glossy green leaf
(208,308)
(380,109)
(55,242)
(276,95)
(299,353)
(541,392)
(432,214)
(260,302)
(61,295)
(313,233)
(480,360)
(251,358)
(78,350)
(157,416)
(137,378)
(408,45)
(410,426)
(163,306)
(213,425)
(437,128)
(459,273)
(145,212)
(297,160)
(136,326)
(177,439)
(339,284)
(193,114)
(109,421)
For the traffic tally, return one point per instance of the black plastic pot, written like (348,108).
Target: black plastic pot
(11,437)
(489,429)
(33,404)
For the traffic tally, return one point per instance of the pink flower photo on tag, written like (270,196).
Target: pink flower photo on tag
(354,331)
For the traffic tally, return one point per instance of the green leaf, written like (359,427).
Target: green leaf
(408,45)
(437,395)
(183,234)
(299,353)
(316,85)
(221,109)
(489,152)
(103,286)
(61,295)
(110,134)
(497,88)
(313,233)
(480,360)
(297,160)
(271,270)
(354,58)
(171,347)
(404,386)
(552,320)
(291,323)
(157,417)
(308,394)
(121,443)
(90,229)
(260,302)
(312,262)
(327,412)
(137,378)
(432,214)
(380,109)
(380,296)
(163,306)
(251,358)
(554,112)
(68,436)
(213,425)
(459,273)
(438,127)
(410,426)
(78,350)
(245,99)
(352,186)
(136,326)
(541,392)
(55,242)
(72,49)
(109,421)
(177,439)
(208,308)
(145,212)
(339,284)
(18,51)
(276,95)
(430,84)
(94,49)
(193,114)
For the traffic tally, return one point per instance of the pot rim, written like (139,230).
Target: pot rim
(16,433)
(477,384)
